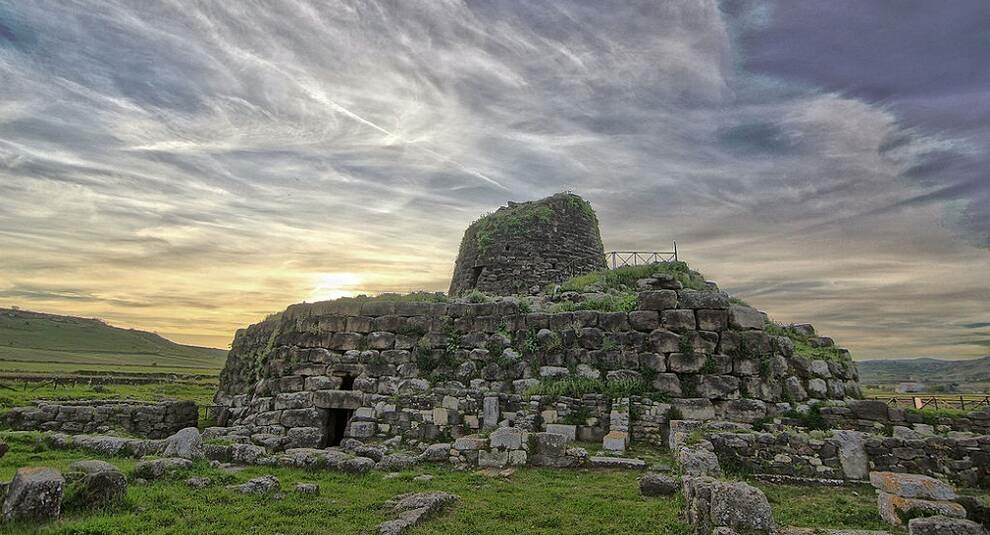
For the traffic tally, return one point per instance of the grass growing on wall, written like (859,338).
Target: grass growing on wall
(803,349)
(576,387)
(624,279)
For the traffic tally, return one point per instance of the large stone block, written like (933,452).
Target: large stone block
(744,317)
(569,431)
(693,408)
(686,362)
(550,444)
(852,454)
(718,386)
(303,418)
(644,320)
(678,320)
(712,320)
(511,438)
(667,383)
(664,341)
(657,300)
(741,507)
(337,399)
(702,299)
(34,494)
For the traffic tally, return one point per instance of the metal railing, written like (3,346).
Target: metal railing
(617,259)
(958,402)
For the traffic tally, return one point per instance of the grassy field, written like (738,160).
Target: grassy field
(66,340)
(530,500)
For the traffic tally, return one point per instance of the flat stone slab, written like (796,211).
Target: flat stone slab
(414,509)
(940,525)
(617,462)
(897,510)
(912,486)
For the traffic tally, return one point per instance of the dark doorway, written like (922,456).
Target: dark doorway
(336,425)
(476,275)
(347,382)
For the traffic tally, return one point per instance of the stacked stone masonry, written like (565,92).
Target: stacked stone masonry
(523,247)
(964,460)
(146,419)
(294,377)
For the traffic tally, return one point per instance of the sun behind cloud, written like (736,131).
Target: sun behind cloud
(335,285)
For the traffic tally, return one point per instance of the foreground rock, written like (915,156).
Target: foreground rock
(4,448)
(940,525)
(34,494)
(413,509)
(713,504)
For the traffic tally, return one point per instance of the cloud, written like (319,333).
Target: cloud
(188,168)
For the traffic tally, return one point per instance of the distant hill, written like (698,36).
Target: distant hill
(67,340)
(924,370)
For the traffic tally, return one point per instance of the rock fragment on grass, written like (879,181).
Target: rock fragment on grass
(258,485)
(413,509)
(159,468)
(199,482)
(307,488)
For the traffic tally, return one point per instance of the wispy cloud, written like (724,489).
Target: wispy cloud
(189,166)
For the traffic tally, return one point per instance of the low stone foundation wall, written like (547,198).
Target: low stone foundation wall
(849,455)
(876,415)
(146,419)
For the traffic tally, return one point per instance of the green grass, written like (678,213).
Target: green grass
(532,501)
(575,387)
(824,507)
(608,303)
(34,337)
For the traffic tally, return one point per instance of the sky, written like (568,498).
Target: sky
(189,167)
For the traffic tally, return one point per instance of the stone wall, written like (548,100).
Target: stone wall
(878,416)
(146,419)
(523,247)
(429,369)
(962,459)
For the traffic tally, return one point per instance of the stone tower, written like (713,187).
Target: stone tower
(525,246)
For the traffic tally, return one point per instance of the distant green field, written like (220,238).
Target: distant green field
(68,343)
